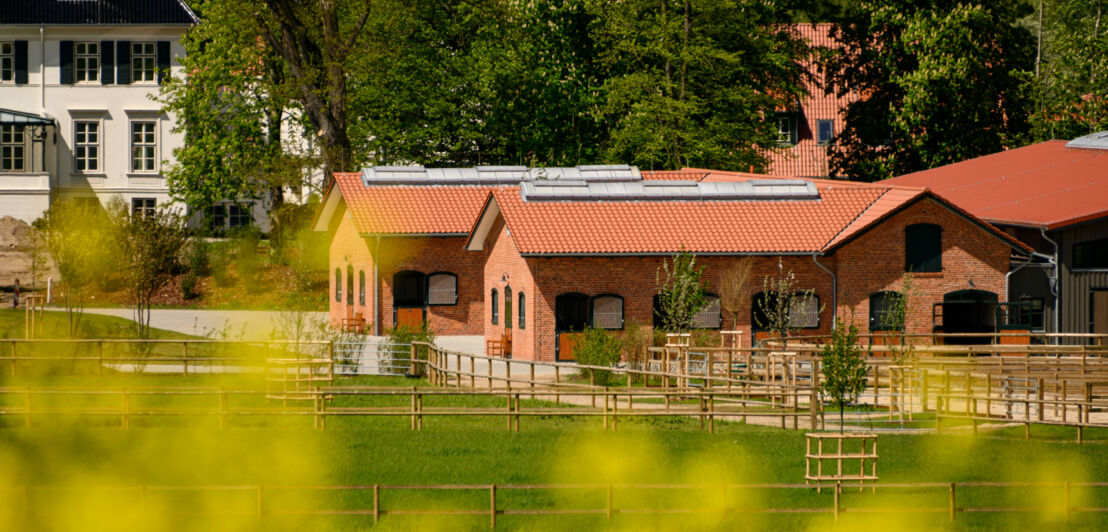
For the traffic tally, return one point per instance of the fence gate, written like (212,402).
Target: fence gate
(1017,389)
(362,355)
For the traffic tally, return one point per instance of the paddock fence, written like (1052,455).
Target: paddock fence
(1071,500)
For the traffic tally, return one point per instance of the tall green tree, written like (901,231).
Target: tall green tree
(696,82)
(939,81)
(232,106)
(1071,90)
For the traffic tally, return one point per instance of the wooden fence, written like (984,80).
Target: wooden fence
(260,502)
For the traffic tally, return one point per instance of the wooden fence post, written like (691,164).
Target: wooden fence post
(952,507)
(492,506)
(260,503)
(609,505)
(838,490)
(376,503)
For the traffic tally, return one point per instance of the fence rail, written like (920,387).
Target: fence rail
(268,501)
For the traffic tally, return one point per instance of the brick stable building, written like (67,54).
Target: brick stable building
(548,252)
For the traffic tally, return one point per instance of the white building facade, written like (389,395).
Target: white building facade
(77,114)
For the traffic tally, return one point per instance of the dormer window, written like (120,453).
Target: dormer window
(786,129)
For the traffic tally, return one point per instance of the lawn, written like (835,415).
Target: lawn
(185,451)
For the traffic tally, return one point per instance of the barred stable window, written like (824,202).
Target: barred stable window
(522,312)
(144,146)
(7,62)
(87,60)
(144,62)
(494,297)
(923,248)
(338,285)
(11,148)
(143,207)
(86,145)
(442,289)
(361,287)
(883,310)
(708,317)
(607,312)
(804,312)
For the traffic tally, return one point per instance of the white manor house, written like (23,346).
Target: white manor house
(76,115)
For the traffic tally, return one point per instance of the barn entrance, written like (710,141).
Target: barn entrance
(1098,313)
(409,300)
(966,311)
(571,317)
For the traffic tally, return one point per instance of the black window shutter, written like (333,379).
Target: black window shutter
(123,62)
(66,60)
(107,62)
(163,60)
(20,62)
(923,248)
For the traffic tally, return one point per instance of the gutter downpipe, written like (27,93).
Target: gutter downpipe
(42,73)
(834,291)
(1056,286)
(376,289)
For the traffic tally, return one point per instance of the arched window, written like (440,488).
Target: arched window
(495,298)
(408,289)
(508,307)
(361,287)
(571,312)
(349,284)
(522,312)
(803,311)
(708,317)
(607,312)
(338,285)
(884,311)
(923,248)
(442,289)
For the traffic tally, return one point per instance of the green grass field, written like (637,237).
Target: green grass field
(72,471)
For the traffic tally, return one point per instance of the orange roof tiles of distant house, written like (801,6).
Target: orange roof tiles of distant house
(807,157)
(686,174)
(1044,185)
(411,209)
(704,226)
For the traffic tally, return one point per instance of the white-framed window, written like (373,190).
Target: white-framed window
(12,148)
(144,62)
(786,128)
(144,146)
(143,207)
(7,62)
(238,216)
(86,145)
(86,57)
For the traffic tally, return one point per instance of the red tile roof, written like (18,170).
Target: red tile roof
(645,227)
(411,209)
(807,158)
(685,174)
(1043,185)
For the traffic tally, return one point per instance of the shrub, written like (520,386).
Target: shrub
(637,342)
(600,348)
(220,262)
(405,335)
(197,258)
(190,286)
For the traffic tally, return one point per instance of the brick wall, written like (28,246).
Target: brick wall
(875,261)
(423,254)
(869,264)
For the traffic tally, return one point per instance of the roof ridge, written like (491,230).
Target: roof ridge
(855,219)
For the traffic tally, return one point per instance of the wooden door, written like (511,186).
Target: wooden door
(567,343)
(409,318)
(1100,313)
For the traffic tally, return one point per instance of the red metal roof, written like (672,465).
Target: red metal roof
(808,158)
(411,209)
(643,227)
(1043,185)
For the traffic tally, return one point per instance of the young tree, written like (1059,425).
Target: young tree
(34,244)
(844,368)
(149,247)
(895,320)
(734,289)
(696,82)
(780,299)
(940,81)
(680,292)
(81,247)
